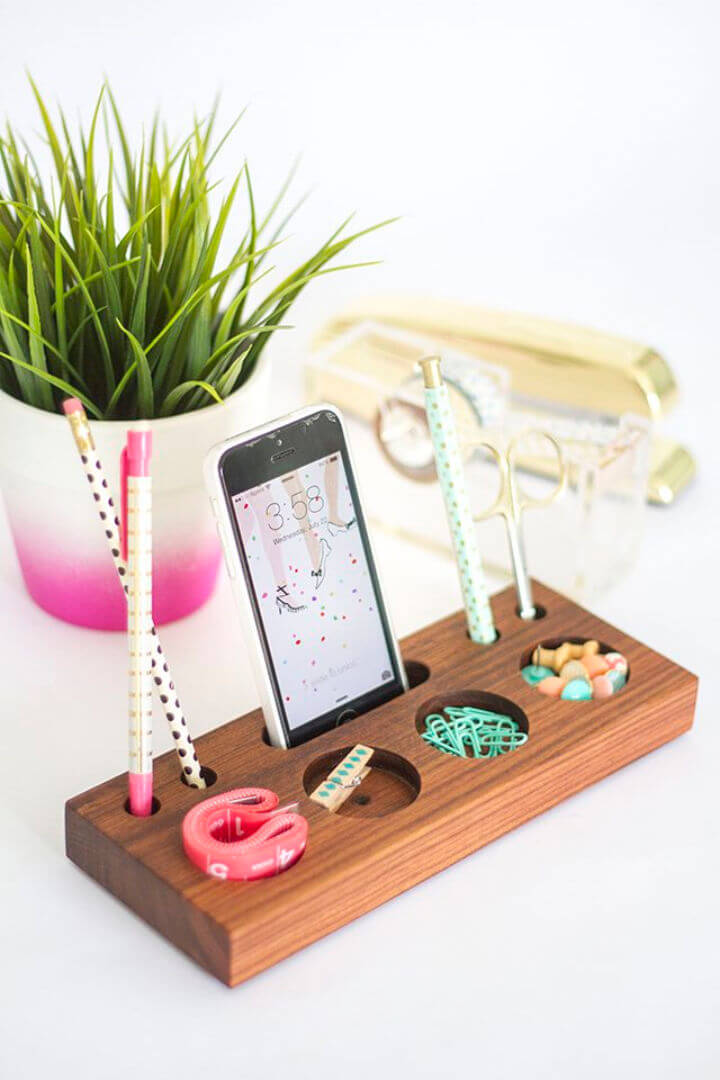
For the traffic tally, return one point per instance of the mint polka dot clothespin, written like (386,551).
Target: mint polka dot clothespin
(344,778)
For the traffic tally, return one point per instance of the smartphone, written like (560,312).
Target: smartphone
(298,552)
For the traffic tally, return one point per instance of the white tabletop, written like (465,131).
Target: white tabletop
(597,919)
(545,164)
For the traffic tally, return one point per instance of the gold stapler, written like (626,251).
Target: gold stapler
(555,365)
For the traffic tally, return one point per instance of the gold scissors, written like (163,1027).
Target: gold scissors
(512,500)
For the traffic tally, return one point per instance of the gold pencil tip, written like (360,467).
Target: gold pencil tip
(432,375)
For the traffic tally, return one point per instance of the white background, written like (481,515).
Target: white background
(558,158)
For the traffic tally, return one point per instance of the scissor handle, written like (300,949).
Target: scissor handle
(511,499)
(522,499)
(501,504)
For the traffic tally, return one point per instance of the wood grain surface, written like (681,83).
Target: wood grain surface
(409,829)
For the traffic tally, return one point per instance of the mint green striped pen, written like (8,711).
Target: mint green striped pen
(450,472)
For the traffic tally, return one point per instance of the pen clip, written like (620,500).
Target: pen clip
(123,502)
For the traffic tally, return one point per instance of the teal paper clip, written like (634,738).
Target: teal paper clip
(465,731)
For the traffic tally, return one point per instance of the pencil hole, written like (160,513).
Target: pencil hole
(482,645)
(416,672)
(540,613)
(156,804)
(208,775)
(266,740)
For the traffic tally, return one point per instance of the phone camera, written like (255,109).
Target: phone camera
(278,442)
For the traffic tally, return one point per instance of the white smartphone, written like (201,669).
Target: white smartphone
(298,552)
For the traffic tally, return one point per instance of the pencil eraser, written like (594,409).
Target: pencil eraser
(139,449)
(71,405)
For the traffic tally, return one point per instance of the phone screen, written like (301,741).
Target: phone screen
(314,588)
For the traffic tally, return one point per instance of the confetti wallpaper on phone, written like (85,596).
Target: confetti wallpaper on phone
(314,589)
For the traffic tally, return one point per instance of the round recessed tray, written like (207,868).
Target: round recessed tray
(474,699)
(391,785)
(611,681)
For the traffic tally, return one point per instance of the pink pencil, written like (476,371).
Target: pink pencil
(110,524)
(137,541)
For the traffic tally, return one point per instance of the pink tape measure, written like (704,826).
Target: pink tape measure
(241,835)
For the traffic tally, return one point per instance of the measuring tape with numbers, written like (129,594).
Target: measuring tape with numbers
(242,835)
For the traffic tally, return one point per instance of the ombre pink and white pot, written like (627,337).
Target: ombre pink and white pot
(63,554)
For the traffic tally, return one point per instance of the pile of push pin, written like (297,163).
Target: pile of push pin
(576,672)
(477,733)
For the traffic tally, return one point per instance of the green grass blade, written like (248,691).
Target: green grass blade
(89,185)
(78,286)
(60,384)
(292,286)
(79,329)
(252,244)
(58,306)
(221,142)
(175,396)
(119,390)
(146,394)
(35,339)
(138,307)
(226,384)
(280,197)
(53,140)
(29,388)
(130,176)
(226,347)
(31,330)
(111,293)
(70,155)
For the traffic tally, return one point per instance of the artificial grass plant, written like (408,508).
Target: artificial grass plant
(113,287)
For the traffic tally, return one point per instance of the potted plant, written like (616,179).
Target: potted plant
(114,289)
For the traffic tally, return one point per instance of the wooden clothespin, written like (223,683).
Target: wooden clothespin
(344,778)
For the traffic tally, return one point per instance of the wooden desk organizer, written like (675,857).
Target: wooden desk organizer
(418,812)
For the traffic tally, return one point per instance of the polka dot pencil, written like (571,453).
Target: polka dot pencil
(457,505)
(110,522)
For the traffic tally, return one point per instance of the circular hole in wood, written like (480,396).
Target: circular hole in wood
(493,739)
(208,775)
(540,613)
(490,644)
(391,785)
(571,661)
(416,672)
(156,804)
